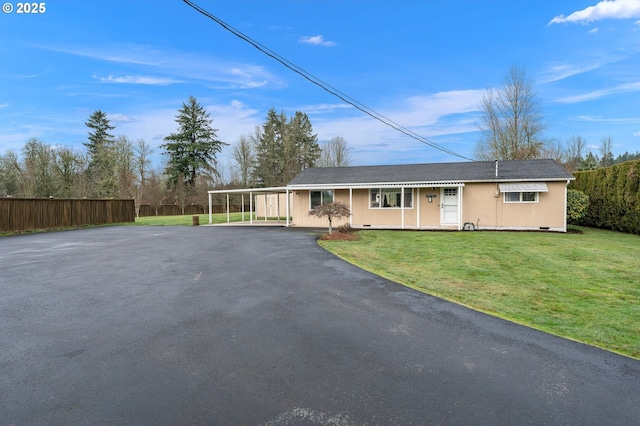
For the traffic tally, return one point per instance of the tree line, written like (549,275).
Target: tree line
(116,167)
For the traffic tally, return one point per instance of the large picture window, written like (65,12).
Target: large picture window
(320,197)
(389,198)
(520,197)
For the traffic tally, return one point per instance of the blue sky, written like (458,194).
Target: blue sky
(424,64)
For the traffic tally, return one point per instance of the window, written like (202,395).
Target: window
(380,198)
(520,197)
(317,198)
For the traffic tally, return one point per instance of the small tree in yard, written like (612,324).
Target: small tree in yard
(331,211)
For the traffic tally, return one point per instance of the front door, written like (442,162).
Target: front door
(449,206)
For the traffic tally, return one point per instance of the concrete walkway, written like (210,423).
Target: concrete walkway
(260,326)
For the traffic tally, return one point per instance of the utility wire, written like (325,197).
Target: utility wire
(325,86)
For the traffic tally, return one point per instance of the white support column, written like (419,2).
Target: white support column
(287,210)
(350,206)
(251,208)
(418,200)
(243,207)
(210,211)
(228,208)
(460,208)
(265,206)
(402,206)
(278,205)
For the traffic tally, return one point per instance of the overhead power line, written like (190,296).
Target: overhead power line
(325,86)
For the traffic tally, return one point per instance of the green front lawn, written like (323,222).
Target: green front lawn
(584,287)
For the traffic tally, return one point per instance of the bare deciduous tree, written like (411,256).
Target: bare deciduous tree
(606,152)
(511,120)
(335,153)
(244,158)
(331,211)
(574,152)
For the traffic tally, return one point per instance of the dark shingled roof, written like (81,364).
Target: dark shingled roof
(475,171)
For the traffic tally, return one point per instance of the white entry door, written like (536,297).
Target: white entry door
(449,206)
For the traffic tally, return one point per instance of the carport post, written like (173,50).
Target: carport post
(210,214)
(265,206)
(278,206)
(402,207)
(243,207)
(418,208)
(227,207)
(350,206)
(251,208)
(287,207)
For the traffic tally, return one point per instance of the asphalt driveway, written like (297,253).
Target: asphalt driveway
(260,326)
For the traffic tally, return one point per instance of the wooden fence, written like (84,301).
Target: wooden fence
(26,214)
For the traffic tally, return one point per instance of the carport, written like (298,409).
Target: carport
(252,193)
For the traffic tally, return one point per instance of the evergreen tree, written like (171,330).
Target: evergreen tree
(303,150)
(193,149)
(590,162)
(101,170)
(284,149)
(269,150)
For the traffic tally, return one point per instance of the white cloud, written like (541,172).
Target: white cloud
(182,66)
(606,9)
(599,119)
(442,114)
(323,108)
(597,94)
(3,106)
(594,31)
(429,109)
(561,71)
(316,40)
(138,79)
(636,133)
(120,118)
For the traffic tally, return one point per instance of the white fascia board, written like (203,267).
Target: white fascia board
(248,190)
(375,185)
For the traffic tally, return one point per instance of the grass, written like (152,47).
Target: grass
(187,220)
(581,286)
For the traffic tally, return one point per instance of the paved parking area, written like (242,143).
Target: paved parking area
(260,326)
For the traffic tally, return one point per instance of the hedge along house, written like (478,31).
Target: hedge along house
(491,195)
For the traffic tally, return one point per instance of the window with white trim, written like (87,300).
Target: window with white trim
(390,198)
(317,198)
(520,197)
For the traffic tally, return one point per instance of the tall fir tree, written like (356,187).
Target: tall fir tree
(193,149)
(284,149)
(269,159)
(101,169)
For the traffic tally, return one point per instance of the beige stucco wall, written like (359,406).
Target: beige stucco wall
(484,206)
(480,206)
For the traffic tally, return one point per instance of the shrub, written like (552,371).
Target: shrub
(346,229)
(577,205)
